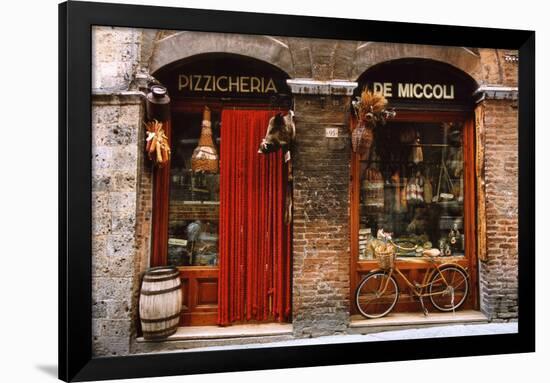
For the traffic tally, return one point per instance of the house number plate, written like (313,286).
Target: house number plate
(331,132)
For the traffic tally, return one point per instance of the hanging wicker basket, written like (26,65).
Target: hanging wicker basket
(356,136)
(370,109)
(361,139)
(205,156)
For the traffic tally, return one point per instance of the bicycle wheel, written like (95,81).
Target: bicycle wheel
(376,295)
(448,290)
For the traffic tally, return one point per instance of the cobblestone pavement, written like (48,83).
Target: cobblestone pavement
(431,332)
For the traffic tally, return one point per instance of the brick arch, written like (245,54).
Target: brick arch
(186,44)
(372,53)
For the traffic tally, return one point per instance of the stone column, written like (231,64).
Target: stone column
(116,149)
(321,246)
(498,272)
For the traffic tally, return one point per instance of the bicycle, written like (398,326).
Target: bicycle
(446,284)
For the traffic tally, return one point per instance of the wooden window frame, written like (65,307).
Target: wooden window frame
(161,202)
(358,268)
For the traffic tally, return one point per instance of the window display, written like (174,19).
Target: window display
(194,195)
(412,186)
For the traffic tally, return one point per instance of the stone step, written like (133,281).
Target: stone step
(402,321)
(205,336)
(141,347)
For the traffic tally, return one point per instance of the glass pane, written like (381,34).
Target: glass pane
(194,198)
(412,186)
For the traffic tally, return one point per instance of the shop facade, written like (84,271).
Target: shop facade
(454,106)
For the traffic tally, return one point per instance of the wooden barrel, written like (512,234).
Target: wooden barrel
(160,302)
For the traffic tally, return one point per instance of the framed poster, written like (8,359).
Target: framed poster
(313,188)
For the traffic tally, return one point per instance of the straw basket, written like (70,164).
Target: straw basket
(361,139)
(204,165)
(205,156)
(385,255)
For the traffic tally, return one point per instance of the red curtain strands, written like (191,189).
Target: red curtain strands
(161,187)
(254,279)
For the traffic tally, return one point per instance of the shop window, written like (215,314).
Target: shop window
(194,198)
(412,185)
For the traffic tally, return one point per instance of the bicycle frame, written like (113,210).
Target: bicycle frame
(418,289)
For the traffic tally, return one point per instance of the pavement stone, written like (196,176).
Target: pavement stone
(430,332)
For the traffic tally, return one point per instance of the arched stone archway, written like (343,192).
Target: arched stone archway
(284,53)
(186,44)
(370,54)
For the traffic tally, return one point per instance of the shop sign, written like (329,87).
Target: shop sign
(226,83)
(224,76)
(418,81)
(415,90)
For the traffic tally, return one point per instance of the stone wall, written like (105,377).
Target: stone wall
(321,249)
(119,224)
(115,155)
(117,53)
(115,57)
(498,275)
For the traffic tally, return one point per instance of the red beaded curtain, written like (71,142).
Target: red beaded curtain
(254,279)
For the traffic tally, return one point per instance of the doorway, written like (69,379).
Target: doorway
(223,228)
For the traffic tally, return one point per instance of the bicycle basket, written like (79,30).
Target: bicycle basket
(385,254)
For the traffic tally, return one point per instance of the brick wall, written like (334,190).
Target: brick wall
(321,249)
(115,127)
(496,69)
(498,275)
(509,67)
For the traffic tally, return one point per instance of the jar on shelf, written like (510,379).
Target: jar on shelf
(365,244)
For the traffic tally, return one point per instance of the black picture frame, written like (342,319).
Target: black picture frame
(75,210)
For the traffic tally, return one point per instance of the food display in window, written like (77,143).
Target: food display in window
(412,186)
(373,188)
(194,192)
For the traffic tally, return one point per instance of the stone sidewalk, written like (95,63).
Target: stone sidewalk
(431,332)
